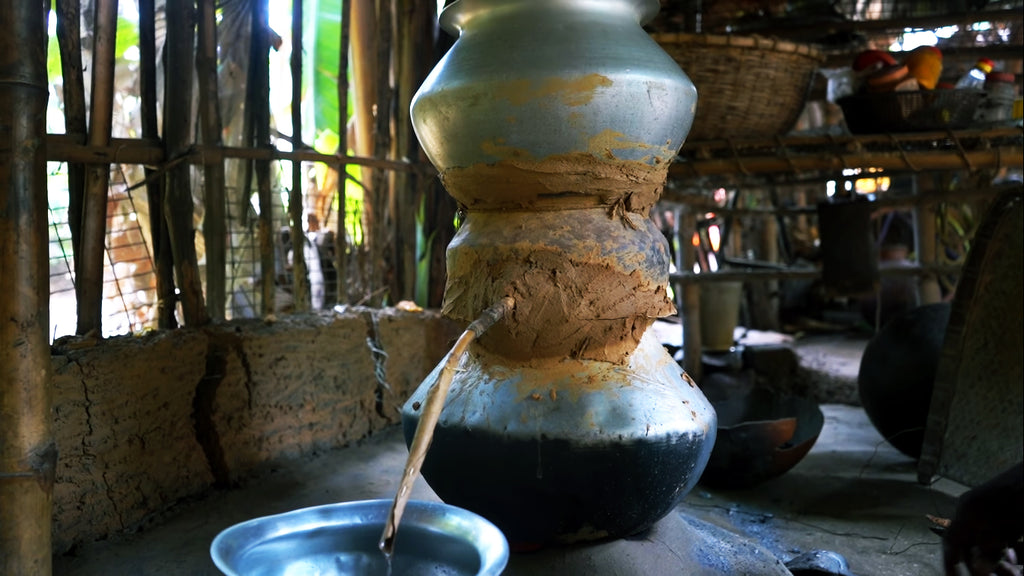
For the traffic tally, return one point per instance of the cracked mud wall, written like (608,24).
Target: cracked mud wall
(144,421)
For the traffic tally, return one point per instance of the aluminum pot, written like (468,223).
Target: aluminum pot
(433,538)
(532,79)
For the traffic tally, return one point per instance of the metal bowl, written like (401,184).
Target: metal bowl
(433,538)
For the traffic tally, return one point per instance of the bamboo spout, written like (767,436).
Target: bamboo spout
(431,413)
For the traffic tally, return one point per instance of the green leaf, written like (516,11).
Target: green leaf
(323,44)
(127,36)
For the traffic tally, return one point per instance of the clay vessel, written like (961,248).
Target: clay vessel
(553,123)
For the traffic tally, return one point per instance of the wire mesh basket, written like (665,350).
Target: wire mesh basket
(913,111)
(747,86)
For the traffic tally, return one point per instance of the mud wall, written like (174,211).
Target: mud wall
(144,421)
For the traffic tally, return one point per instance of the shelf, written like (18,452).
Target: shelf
(795,155)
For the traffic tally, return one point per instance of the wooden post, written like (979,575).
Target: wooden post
(178,205)
(692,344)
(160,236)
(925,238)
(215,219)
(28,455)
(300,278)
(89,275)
(341,232)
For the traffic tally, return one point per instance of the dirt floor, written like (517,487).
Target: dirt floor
(852,494)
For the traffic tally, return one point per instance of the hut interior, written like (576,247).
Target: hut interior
(223,244)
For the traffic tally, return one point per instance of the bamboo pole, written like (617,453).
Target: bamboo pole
(300,278)
(378,198)
(925,240)
(178,205)
(69,39)
(692,361)
(362,44)
(341,234)
(215,218)
(433,405)
(28,455)
(783,273)
(407,190)
(916,161)
(160,236)
(149,151)
(258,100)
(363,41)
(97,176)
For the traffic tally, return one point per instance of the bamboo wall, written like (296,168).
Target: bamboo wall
(186,184)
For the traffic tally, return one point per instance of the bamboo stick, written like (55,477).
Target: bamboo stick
(432,407)
(178,205)
(160,236)
(341,234)
(89,275)
(300,278)
(28,455)
(215,218)
(69,39)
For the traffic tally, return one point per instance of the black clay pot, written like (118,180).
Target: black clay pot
(897,375)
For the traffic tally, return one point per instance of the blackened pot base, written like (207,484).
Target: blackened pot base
(603,491)
(581,450)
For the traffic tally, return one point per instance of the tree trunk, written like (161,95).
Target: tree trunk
(215,217)
(89,275)
(28,455)
(178,206)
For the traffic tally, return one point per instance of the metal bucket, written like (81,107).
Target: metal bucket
(341,539)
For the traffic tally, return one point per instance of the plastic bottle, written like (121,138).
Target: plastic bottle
(998,105)
(975,77)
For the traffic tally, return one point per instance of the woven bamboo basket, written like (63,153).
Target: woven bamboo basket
(747,86)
